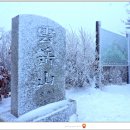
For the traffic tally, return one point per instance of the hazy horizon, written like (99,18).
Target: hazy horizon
(69,14)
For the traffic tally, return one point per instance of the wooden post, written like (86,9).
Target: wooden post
(97,56)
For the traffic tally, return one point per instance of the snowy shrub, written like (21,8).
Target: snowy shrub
(115,75)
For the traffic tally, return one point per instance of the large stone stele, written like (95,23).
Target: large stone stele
(38,70)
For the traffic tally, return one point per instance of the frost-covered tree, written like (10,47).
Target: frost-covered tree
(80,58)
(5,43)
(71,58)
(5,62)
(127,21)
(86,57)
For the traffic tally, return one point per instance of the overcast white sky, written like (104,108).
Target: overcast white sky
(69,14)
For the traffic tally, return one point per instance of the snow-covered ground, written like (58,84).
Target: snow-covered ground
(111,104)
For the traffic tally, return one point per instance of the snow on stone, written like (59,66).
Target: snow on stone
(73,118)
(44,110)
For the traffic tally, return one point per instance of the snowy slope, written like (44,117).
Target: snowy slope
(112,104)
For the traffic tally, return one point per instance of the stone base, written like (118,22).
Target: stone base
(55,112)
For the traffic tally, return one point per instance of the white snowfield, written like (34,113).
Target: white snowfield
(111,104)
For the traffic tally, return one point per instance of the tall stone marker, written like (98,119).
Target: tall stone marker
(38,45)
(38,63)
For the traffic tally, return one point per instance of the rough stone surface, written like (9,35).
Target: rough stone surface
(62,113)
(38,58)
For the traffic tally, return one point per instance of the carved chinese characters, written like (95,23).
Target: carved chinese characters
(45,55)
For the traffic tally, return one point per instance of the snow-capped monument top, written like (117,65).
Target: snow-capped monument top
(38,58)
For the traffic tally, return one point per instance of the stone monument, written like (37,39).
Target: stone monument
(38,71)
